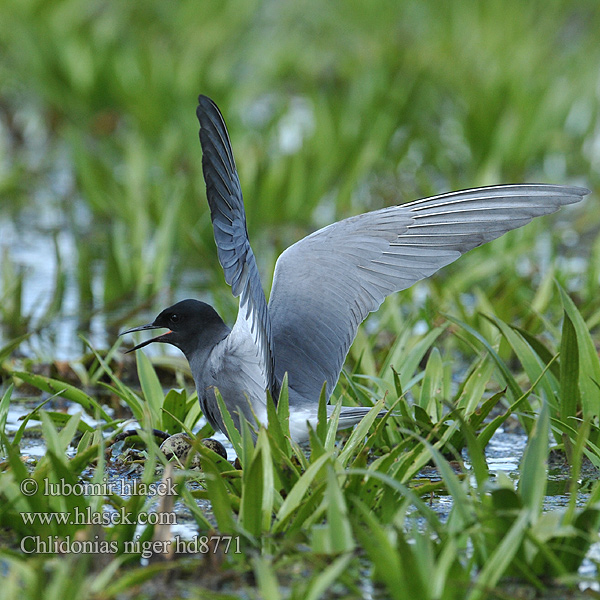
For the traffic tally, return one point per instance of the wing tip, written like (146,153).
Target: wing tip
(559,195)
(204,101)
(206,107)
(581,191)
(577,193)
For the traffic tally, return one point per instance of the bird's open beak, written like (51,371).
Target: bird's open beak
(159,338)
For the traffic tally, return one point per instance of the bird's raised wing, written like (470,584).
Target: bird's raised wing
(231,236)
(327,283)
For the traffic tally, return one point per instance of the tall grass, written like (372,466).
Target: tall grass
(347,512)
(332,111)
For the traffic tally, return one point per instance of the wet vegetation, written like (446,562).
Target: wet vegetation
(333,109)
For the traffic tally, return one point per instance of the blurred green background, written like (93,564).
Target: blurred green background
(334,108)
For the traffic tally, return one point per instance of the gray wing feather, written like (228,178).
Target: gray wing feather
(224,196)
(327,283)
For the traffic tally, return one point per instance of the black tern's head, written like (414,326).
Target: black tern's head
(186,321)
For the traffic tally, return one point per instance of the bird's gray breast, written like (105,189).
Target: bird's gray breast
(234,369)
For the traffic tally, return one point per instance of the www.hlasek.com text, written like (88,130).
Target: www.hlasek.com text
(94,517)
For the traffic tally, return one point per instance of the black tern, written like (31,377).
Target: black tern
(324,285)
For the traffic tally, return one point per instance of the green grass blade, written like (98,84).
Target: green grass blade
(511,382)
(359,433)
(283,405)
(569,377)
(321,429)
(251,507)
(294,499)
(173,411)
(324,580)
(533,479)
(232,433)
(65,390)
(268,491)
(499,561)
(474,387)
(394,563)
(151,388)
(589,362)
(332,426)
(275,426)
(340,532)
(266,578)
(430,398)
(219,498)
(406,363)
(8,348)
(4,406)
(531,362)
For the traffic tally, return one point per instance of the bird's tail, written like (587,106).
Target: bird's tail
(350,415)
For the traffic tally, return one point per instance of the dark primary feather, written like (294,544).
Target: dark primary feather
(229,223)
(326,284)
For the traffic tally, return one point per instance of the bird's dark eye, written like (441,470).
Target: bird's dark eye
(174,318)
